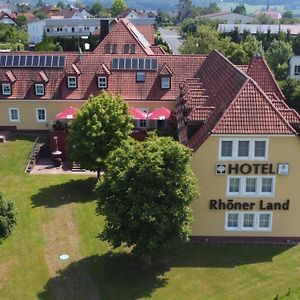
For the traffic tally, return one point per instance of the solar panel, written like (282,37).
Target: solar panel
(128,63)
(55,61)
(115,63)
(16,60)
(2,60)
(121,63)
(29,61)
(9,61)
(134,64)
(22,61)
(49,61)
(142,64)
(147,64)
(35,61)
(61,61)
(42,61)
(153,64)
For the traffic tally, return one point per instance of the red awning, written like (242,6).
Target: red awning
(161,114)
(137,114)
(67,114)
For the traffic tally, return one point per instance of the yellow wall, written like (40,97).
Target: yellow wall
(284,149)
(27,111)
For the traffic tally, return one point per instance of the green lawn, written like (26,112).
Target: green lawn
(56,214)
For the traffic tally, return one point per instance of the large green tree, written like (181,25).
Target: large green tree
(7,217)
(118,7)
(99,127)
(278,55)
(97,9)
(145,195)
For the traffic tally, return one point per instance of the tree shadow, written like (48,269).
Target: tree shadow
(114,276)
(223,256)
(119,276)
(73,191)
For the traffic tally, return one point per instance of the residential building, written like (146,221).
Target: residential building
(5,18)
(243,136)
(273,14)
(228,18)
(294,67)
(57,12)
(76,27)
(245,139)
(293,29)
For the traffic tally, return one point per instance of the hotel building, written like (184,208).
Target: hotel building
(243,136)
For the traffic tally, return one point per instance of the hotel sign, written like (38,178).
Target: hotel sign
(230,204)
(255,168)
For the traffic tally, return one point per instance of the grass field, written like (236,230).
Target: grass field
(56,214)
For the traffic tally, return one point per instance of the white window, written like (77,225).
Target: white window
(232,222)
(243,149)
(72,82)
(140,76)
(234,186)
(165,83)
(297,70)
(267,186)
(264,221)
(248,221)
(226,149)
(102,82)
(39,89)
(6,89)
(260,149)
(41,115)
(14,114)
(247,186)
(250,186)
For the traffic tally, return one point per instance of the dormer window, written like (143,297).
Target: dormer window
(140,76)
(72,82)
(39,89)
(129,49)
(102,82)
(165,82)
(6,89)
(110,48)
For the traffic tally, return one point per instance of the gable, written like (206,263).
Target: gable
(252,112)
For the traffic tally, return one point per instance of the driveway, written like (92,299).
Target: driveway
(172,37)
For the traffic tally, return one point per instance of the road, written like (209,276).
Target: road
(172,38)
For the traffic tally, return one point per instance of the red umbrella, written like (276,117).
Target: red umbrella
(161,114)
(137,114)
(68,113)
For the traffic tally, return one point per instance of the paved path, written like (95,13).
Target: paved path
(172,37)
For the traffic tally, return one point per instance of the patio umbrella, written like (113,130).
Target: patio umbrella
(137,114)
(161,114)
(67,114)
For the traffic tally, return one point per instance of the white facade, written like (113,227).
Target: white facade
(294,29)
(61,28)
(294,67)
(35,31)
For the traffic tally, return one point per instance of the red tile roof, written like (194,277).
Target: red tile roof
(261,73)
(148,31)
(251,112)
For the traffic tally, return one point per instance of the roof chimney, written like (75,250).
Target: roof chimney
(104,29)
